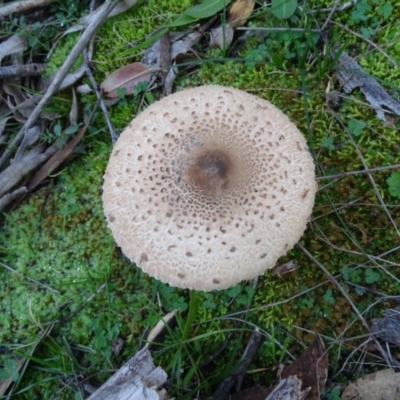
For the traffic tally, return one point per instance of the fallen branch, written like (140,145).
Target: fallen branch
(351,76)
(245,361)
(22,6)
(17,170)
(138,379)
(19,71)
(10,197)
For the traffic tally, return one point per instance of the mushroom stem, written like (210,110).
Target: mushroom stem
(193,307)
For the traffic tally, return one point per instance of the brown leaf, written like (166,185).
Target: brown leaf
(54,161)
(126,77)
(239,11)
(311,368)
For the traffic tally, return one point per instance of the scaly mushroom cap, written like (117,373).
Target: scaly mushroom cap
(207,187)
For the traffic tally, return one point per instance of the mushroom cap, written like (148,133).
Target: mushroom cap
(208,187)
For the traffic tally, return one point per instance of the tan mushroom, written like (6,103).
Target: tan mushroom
(208,187)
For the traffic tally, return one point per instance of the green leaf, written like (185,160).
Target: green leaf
(371,276)
(346,273)
(234,290)
(283,9)
(206,9)
(9,371)
(385,10)
(394,184)
(183,19)
(121,92)
(57,129)
(356,127)
(328,297)
(71,129)
(328,143)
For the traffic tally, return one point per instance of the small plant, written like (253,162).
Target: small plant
(394,184)
(333,394)
(283,9)
(328,297)
(9,370)
(351,274)
(60,135)
(328,143)
(372,276)
(356,127)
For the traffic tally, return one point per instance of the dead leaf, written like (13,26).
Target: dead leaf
(284,268)
(169,80)
(14,44)
(351,75)
(383,384)
(15,172)
(116,345)
(311,368)
(185,45)
(73,113)
(54,161)
(239,11)
(31,135)
(69,80)
(15,98)
(126,77)
(84,89)
(221,36)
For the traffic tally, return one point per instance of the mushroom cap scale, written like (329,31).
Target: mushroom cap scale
(208,187)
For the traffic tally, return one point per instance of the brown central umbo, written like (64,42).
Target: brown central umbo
(209,172)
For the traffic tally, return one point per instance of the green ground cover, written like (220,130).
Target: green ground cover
(63,254)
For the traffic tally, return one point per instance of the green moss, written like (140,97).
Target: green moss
(59,237)
(60,53)
(119,36)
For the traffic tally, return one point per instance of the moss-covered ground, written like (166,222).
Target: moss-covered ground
(70,278)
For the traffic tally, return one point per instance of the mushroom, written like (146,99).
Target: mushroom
(208,187)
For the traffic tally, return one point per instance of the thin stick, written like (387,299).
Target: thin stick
(97,90)
(370,42)
(364,171)
(276,29)
(22,6)
(29,279)
(346,296)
